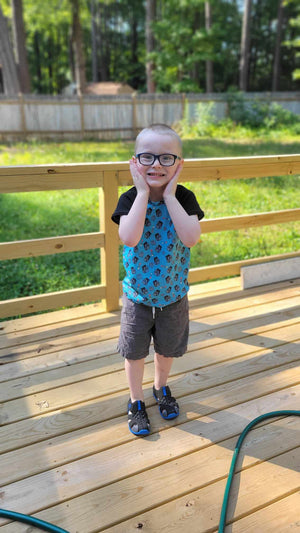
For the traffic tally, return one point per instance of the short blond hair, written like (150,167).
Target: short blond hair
(162,129)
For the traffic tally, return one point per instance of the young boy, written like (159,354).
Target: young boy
(158,224)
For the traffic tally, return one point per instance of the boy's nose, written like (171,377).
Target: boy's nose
(156,163)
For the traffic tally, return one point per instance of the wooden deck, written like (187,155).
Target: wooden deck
(67,455)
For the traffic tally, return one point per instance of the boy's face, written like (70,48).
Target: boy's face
(156,175)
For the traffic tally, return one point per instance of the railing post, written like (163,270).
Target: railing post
(110,252)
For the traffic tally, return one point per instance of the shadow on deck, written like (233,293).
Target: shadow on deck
(67,455)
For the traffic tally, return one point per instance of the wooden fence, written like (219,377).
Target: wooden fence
(108,177)
(111,117)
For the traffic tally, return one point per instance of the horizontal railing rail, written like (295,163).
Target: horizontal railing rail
(107,177)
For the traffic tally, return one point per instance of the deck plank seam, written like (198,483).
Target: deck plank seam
(180,495)
(269,327)
(217,442)
(162,428)
(243,294)
(256,351)
(260,507)
(190,494)
(209,328)
(117,320)
(149,382)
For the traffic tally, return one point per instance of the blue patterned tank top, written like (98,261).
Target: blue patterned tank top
(157,267)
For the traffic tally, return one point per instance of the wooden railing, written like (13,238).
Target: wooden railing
(108,177)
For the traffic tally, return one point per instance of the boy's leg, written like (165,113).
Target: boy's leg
(168,407)
(134,369)
(134,341)
(170,338)
(162,369)
(138,421)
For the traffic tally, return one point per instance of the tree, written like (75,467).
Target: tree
(186,43)
(292,42)
(20,45)
(94,40)
(276,65)
(209,63)
(245,47)
(9,68)
(102,30)
(150,18)
(182,49)
(78,48)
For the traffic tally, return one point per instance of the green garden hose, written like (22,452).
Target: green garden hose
(46,526)
(41,524)
(235,456)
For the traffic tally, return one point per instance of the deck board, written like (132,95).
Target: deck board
(67,455)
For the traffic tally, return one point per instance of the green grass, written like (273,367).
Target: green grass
(45,214)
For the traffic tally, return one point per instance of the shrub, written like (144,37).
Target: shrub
(259,114)
(203,124)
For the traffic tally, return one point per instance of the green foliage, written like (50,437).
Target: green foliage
(120,27)
(259,114)
(248,119)
(183,44)
(296,74)
(48,39)
(204,123)
(293,40)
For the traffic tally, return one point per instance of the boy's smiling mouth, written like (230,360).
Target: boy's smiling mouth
(156,174)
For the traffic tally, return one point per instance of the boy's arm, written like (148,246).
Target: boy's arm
(187,226)
(132,225)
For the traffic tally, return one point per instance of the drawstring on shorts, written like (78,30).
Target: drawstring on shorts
(154,309)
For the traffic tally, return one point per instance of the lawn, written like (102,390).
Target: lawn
(47,214)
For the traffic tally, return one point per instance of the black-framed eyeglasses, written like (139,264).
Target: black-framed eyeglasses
(166,160)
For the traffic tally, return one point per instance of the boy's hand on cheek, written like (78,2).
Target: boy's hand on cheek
(138,180)
(171,186)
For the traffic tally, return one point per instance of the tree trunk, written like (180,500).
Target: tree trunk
(37,55)
(255,45)
(245,47)
(276,65)
(150,45)
(134,48)
(78,48)
(94,41)
(101,39)
(9,68)
(106,42)
(20,45)
(209,64)
(71,56)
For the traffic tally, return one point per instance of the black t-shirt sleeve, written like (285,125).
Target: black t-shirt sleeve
(186,198)
(124,204)
(189,201)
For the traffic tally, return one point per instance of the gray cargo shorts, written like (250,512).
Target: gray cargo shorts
(168,326)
